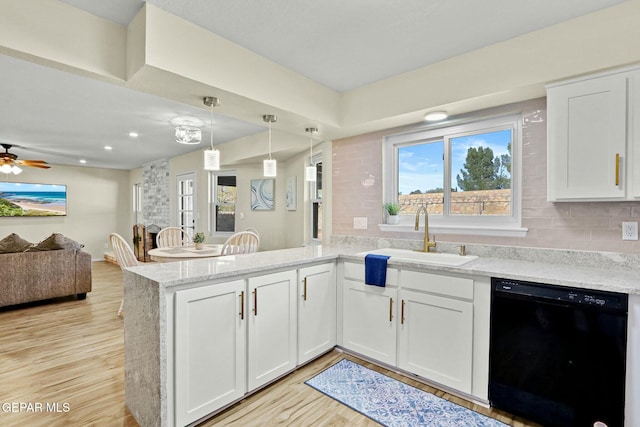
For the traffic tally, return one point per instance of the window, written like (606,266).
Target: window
(467,175)
(223,202)
(137,203)
(315,200)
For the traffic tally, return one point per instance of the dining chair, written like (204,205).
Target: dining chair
(125,257)
(242,242)
(254,231)
(172,236)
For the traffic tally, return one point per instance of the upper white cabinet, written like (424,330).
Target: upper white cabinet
(316,310)
(272,327)
(590,147)
(210,349)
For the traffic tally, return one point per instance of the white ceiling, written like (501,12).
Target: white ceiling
(62,117)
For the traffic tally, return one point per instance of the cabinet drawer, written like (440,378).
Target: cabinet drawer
(457,287)
(355,271)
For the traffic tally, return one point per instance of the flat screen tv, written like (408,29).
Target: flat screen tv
(28,199)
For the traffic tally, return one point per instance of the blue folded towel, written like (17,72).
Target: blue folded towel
(375,269)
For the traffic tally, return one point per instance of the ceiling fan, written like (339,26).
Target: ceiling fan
(9,162)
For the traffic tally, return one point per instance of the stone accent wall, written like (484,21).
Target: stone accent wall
(155,194)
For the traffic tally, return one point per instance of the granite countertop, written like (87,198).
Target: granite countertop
(566,274)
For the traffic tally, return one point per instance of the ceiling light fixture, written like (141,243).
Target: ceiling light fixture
(133,134)
(9,162)
(211,156)
(186,134)
(310,171)
(269,164)
(434,116)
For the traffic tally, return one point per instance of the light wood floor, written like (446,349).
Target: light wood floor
(69,354)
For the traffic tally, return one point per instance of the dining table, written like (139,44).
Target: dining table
(181,253)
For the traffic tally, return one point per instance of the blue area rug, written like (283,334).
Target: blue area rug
(390,402)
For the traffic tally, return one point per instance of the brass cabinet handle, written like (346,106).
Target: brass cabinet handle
(255,302)
(402,315)
(617,168)
(242,305)
(304,294)
(390,309)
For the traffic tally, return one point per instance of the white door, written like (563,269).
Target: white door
(186,198)
(370,320)
(210,350)
(272,327)
(316,311)
(436,338)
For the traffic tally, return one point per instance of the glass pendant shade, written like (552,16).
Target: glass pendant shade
(16,170)
(212,155)
(269,167)
(212,160)
(310,173)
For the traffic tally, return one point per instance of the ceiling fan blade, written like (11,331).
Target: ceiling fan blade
(34,163)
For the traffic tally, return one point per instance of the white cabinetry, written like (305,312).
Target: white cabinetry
(369,314)
(272,327)
(435,338)
(591,138)
(210,349)
(316,311)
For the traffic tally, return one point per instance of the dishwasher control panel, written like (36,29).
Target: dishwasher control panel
(602,299)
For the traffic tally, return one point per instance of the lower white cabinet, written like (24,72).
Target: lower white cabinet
(210,349)
(316,310)
(369,320)
(272,327)
(435,338)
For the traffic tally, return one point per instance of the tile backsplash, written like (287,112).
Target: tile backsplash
(585,226)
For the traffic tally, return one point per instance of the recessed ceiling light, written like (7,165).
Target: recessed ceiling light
(133,134)
(82,161)
(434,116)
(108,147)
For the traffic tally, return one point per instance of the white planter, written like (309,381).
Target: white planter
(393,219)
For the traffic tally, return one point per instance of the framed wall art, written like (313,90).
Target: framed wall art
(262,191)
(291,194)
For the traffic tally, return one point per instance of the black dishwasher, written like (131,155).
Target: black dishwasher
(557,354)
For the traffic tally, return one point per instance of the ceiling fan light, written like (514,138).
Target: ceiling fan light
(5,168)
(16,170)
(211,160)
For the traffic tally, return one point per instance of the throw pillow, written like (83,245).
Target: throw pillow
(13,243)
(54,242)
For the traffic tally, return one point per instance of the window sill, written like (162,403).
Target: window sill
(453,229)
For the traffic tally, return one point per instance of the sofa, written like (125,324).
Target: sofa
(55,267)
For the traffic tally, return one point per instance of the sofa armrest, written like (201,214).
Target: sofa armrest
(83,272)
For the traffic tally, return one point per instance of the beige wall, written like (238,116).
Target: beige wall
(279,228)
(98,203)
(358,181)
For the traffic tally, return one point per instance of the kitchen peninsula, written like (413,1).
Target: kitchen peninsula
(170,356)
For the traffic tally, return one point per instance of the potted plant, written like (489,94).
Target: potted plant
(392,209)
(198,239)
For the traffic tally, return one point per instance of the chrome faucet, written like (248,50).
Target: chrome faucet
(427,244)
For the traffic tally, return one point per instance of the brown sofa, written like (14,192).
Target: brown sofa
(33,276)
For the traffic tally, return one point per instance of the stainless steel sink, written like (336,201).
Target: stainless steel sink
(423,257)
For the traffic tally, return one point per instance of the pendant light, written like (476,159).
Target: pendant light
(310,171)
(269,164)
(211,156)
